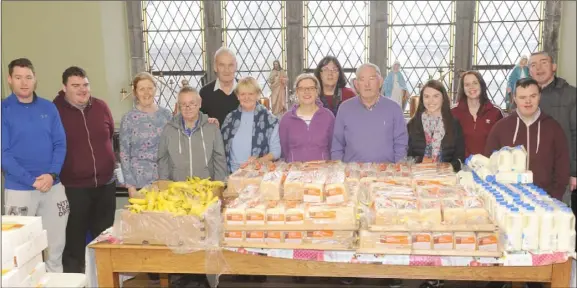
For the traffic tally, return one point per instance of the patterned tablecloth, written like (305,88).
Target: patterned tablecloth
(517,259)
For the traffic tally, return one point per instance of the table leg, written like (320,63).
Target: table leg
(164,280)
(106,276)
(561,275)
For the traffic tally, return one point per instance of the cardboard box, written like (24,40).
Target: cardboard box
(27,251)
(19,229)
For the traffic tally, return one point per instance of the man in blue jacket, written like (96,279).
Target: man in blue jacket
(33,151)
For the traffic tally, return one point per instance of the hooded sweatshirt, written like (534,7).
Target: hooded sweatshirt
(201,154)
(90,158)
(306,142)
(546,145)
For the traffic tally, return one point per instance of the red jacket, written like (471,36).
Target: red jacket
(546,145)
(90,157)
(476,132)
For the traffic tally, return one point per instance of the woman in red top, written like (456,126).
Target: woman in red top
(475,112)
(333,83)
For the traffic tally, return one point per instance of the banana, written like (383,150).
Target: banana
(137,201)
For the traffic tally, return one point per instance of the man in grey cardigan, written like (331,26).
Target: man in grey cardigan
(189,145)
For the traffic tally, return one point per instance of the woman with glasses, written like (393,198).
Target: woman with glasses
(333,90)
(189,145)
(140,130)
(250,132)
(307,130)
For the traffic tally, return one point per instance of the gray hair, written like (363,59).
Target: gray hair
(367,65)
(309,76)
(544,53)
(224,50)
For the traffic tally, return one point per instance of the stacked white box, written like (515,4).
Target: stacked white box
(23,242)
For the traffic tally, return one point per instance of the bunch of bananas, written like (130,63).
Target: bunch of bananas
(190,197)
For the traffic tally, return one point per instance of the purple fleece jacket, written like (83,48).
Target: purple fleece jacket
(300,142)
(378,135)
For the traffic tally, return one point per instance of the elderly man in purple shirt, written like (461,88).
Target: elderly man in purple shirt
(369,127)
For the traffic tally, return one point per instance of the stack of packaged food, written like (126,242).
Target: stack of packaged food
(296,206)
(23,241)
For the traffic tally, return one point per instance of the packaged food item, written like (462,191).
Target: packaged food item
(234,236)
(335,189)
(275,213)
(487,241)
(254,236)
(454,212)
(407,211)
(235,214)
(314,188)
(422,241)
(330,214)
(395,240)
(465,241)
(255,214)
(273,237)
(329,237)
(430,212)
(475,211)
(295,237)
(271,185)
(295,213)
(443,241)
(385,211)
(294,186)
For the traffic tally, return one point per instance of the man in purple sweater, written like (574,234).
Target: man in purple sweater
(369,127)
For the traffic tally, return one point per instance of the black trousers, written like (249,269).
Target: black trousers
(91,210)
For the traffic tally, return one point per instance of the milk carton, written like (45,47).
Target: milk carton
(519,157)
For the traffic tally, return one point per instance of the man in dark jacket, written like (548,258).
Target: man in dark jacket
(558,99)
(88,171)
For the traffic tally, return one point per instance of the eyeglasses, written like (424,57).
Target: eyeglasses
(188,105)
(307,89)
(330,70)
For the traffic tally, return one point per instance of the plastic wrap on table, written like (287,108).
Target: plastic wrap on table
(271,185)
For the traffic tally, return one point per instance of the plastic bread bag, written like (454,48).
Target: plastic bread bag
(294,185)
(235,183)
(383,212)
(339,214)
(453,212)
(336,189)
(271,187)
(475,210)
(390,190)
(341,239)
(430,212)
(314,186)
(408,211)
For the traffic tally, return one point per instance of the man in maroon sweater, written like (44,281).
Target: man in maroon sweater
(88,171)
(542,137)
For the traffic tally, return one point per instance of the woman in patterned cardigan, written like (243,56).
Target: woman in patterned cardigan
(140,130)
(250,132)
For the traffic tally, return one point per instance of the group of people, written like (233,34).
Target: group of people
(58,158)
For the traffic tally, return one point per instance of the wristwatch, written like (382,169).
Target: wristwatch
(54,176)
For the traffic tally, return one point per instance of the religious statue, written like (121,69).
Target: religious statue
(278,81)
(520,71)
(395,86)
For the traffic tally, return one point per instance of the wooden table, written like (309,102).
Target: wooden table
(112,259)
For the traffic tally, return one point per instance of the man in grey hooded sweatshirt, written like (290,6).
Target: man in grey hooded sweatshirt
(189,145)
